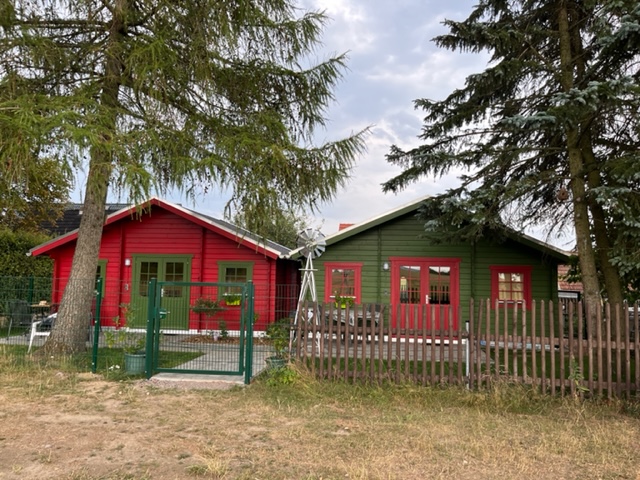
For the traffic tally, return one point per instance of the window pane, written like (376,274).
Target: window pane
(236,274)
(439,285)
(510,287)
(174,272)
(148,270)
(410,284)
(343,282)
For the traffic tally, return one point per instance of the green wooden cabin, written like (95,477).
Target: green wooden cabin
(384,261)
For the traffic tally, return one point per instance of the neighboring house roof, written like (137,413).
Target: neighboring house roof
(413,206)
(563,284)
(70,219)
(221,227)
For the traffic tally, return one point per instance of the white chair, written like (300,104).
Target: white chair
(41,328)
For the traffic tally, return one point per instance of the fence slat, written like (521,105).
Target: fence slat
(561,347)
(552,349)
(574,374)
(451,347)
(424,348)
(618,363)
(581,366)
(534,346)
(543,348)
(609,352)
(525,344)
(636,345)
(627,352)
(514,342)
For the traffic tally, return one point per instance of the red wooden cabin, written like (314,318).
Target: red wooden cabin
(168,242)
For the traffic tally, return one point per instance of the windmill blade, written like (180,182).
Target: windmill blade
(312,243)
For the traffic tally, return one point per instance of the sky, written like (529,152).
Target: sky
(392,61)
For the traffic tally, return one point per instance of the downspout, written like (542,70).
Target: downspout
(203,240)
(202,260)
(123,273)
(379,268)
(474,259)
(273,278)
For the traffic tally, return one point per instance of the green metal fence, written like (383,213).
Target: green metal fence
(29,289)
(211,325)
(185,338)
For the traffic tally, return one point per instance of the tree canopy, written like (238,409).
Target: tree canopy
(38,197)
(283,227)
(14,261)
(153,94)
(548,133)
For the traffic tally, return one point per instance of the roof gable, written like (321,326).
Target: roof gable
(413,206)
(225,229)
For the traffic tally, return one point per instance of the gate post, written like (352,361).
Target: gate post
(151,315)
(96,327)
(249,332)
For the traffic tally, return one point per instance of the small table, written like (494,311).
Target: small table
(40,310)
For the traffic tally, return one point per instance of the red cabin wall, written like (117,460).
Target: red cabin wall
(164,232)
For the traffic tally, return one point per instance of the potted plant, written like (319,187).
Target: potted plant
(279,332)
(132,343)
(134,353)
(232,299)
(207,306)
(344,301)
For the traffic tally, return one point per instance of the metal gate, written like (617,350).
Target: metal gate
(203,328)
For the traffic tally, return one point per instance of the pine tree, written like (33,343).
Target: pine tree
(154,94)
(547,133)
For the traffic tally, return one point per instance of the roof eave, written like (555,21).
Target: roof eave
(176,209)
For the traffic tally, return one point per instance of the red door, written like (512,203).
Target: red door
(425,293)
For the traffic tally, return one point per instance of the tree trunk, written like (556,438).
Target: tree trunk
(71,328)
(70,331)
(612,283)
(586,254)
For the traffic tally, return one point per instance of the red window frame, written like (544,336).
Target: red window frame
(328,279)
(524,270)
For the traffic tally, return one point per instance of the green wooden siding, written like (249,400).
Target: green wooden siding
(401,238)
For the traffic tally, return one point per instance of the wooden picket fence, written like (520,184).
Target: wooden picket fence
(550,346)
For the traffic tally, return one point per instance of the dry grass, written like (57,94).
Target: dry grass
(66,425)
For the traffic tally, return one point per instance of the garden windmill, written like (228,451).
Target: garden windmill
(312,245)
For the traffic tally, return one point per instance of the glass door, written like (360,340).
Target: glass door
(424,293)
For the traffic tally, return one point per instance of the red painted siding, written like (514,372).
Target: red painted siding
(163,232)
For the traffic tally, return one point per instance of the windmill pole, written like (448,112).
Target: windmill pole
(312,244)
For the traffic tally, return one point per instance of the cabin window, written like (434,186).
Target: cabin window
(511,284)
(342,280)
(234,272)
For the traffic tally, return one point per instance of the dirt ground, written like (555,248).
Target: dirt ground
(56,425)
(103,430)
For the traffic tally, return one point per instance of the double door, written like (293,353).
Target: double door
(425,293)
(175,298)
